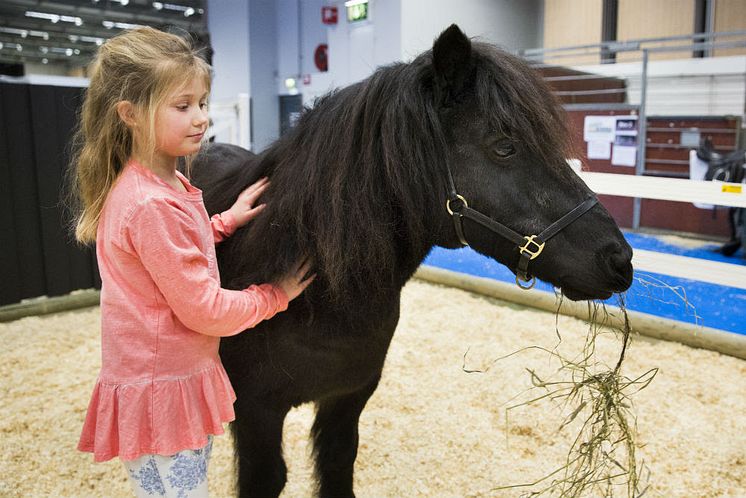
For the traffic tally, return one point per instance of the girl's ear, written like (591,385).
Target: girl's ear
(126,111)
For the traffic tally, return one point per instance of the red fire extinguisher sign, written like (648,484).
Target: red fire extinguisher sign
(329,15)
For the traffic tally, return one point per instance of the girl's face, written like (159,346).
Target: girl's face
(181,122)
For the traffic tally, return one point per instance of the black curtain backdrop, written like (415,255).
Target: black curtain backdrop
(38,256)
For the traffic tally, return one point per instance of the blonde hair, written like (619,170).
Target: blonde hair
(143,66)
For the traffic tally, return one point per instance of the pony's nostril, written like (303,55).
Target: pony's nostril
(620,260)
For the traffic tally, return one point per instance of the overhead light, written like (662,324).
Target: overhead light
(120,25)
(24,33)
(11,46)
(45,61)
(43,15)
(14,31)
(1,45)
(91,39)
(184,9)
(54,18)
(60,50)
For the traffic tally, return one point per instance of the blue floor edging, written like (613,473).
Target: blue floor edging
(690,301)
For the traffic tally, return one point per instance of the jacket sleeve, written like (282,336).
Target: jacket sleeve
(223,225)
(167,242)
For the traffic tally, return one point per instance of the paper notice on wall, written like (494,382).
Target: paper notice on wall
(624,155)
(599,129)
(626,125)
(599,149)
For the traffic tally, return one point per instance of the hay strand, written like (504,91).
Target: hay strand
(601,459)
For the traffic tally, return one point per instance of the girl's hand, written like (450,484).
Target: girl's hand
(293,283)
(243,209)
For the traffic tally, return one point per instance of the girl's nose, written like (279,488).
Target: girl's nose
(200,118)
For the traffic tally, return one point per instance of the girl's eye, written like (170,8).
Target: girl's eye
(203,105)
(502,149)
(182,107)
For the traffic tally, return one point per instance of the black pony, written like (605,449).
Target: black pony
(731,168)
(365,185)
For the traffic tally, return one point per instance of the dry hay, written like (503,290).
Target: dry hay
(431,429)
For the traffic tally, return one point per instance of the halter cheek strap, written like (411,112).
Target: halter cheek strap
(529,246)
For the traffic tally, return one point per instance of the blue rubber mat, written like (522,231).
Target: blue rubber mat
(680,299)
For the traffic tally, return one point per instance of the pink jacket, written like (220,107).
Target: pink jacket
(162,387)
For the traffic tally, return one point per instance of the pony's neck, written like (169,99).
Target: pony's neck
(354,187)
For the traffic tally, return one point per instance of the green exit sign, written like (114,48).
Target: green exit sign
(357,10)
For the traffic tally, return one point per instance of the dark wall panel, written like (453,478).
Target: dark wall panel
(27,242)
(9,274)
(38,255)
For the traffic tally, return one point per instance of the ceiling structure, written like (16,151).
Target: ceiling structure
(68,32)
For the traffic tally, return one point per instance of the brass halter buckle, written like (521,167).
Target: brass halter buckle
(527,248)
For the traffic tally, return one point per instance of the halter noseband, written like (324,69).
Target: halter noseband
(530,246)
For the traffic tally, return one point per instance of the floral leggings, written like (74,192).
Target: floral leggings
(183,475)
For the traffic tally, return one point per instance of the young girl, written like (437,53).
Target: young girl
(162,391)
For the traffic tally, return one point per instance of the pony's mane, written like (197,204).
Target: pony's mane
(357,183)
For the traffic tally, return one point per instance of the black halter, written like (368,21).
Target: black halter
(530,246)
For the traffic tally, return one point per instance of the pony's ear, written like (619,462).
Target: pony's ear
(452,61)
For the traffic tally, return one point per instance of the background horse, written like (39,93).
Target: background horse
(368,181)
(729,167)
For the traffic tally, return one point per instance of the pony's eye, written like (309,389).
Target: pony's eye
(502,149)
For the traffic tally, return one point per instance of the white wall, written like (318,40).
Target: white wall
(355,50)
(257,43)
(263,76)
(227,21)
(244,37)
(510,24)
(402,29)
(295,54)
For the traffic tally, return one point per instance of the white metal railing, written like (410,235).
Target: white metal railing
(695,42)
(704,87)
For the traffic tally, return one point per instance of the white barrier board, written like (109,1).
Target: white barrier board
(678,190)
(667,189)
(712,272)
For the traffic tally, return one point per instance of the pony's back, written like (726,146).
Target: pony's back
(222,172)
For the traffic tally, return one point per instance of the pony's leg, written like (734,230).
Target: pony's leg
(335,438)
(257,433)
